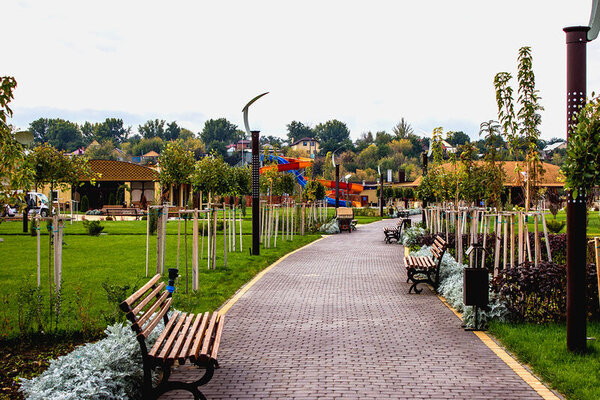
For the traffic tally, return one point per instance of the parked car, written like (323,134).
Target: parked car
(38,203)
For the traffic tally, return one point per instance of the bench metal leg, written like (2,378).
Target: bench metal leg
(412,278)
(166,386)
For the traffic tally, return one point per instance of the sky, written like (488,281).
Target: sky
(366,63)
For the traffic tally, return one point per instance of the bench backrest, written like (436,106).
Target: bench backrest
(147,306)
(437,250)
(344,212)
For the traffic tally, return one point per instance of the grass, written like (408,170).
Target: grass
(116,259)
(543,347)
(593,227)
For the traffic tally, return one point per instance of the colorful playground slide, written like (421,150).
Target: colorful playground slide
(294,165)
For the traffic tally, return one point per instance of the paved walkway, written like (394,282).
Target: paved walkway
(335,320)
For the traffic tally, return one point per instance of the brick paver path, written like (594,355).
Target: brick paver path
(335,320)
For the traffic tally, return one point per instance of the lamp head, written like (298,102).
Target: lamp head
(594,22)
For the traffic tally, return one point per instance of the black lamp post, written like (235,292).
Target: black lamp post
(255,195)
(576,207)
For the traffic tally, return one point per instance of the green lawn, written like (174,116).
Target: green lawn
(543,347)
(117,258)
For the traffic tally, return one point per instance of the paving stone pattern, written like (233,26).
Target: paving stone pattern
(335,320)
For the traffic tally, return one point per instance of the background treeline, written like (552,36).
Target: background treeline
(400,148)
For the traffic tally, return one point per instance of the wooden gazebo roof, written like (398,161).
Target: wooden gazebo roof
(110,170)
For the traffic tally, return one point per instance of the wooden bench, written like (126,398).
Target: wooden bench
(131,212)
(185,337)
(393,232)
(345,215)
(426,269)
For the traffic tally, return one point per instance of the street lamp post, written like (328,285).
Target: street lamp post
(576,39)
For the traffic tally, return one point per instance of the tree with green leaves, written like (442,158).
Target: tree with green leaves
(104,151)
(176,164)
(15,173)
(53,167)
(332,135)
(313,190)
(212,175)
(112,129)
(522,127)
(152,128)
(582,162)
(402,130)
(218,133)
(297,130)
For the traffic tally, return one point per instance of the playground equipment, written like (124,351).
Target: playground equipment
(294,165)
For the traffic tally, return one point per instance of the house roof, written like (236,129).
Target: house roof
(111,170)
(552,177)
(554,146)
(305,139)
(151,153)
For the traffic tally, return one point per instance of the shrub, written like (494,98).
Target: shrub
(111,199)
(93,228)
(539,294)
(555,226)
(108,369)
(85,203)
(109,218)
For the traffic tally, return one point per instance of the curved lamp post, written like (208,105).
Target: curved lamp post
(337,177)
(255,172)
(577,38)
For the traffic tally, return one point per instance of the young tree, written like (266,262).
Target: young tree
(524,127)
(176,164)
(15,172)
(53,167)
(212,175)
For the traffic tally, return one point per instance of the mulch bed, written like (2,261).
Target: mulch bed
(29,357)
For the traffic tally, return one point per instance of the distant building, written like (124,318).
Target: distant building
(151,157)
(306,145)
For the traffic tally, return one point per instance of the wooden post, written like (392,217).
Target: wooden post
(39,265)
(209,235)
(546,237)
(497,229)
(528,242)
(241,244)
(214,240)
(276,226)
(485,229)
(512,240)
(159,227)
(233,232)
(293,211)
(225,236)
(536,241)
(178,237)
(505,241)
(147,238)
(597,253)
(520,249)
(195,271)
(303,219)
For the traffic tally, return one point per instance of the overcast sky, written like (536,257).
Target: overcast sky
(366,63)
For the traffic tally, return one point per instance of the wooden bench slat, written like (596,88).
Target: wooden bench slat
(217,342)
(126,305)
(161,338)
(182,336)
(185,350)
(146,316)
(146,332)
(147,299)
(172,337)
(199,337)
(208,336)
